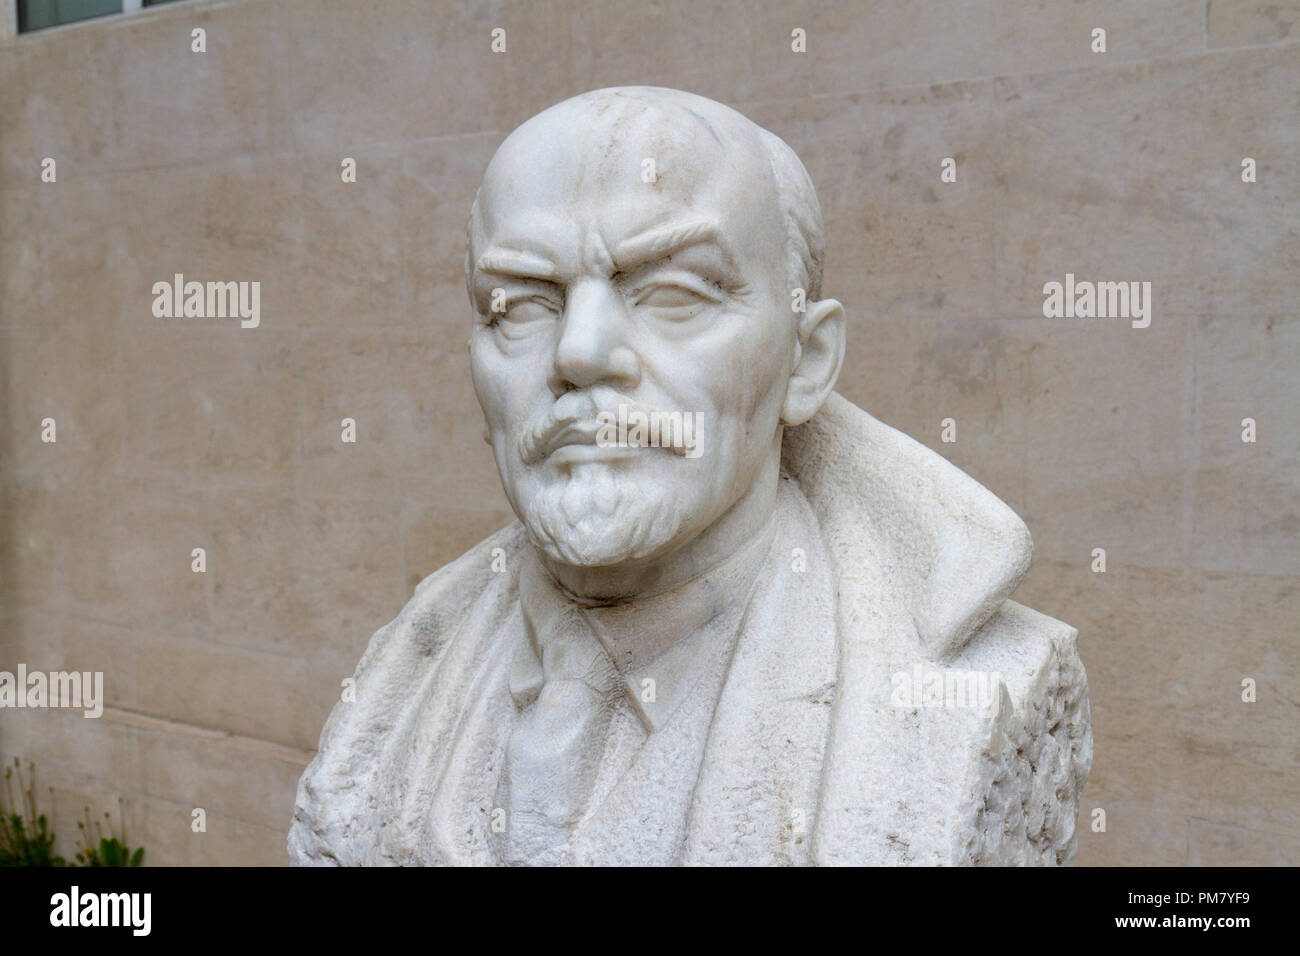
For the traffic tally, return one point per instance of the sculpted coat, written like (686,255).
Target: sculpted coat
(782,636)
(807,718)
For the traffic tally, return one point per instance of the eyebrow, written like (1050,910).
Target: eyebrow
(661,241)
(514,262)
(655,243)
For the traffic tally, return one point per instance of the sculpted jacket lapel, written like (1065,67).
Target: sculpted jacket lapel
(448,751)
(756,794)
(642,821)
(914,584)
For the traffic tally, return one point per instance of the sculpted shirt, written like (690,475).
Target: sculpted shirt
(670,652)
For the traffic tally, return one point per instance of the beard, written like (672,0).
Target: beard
(599,515)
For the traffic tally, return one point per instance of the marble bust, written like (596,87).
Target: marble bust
(739,620)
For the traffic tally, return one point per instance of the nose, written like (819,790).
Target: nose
(593,346)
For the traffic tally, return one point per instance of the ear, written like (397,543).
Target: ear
(818,357)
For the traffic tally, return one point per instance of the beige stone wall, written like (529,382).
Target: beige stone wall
(175,434)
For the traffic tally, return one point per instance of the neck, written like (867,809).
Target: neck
(730,534)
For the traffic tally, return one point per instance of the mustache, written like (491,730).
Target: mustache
(576,410)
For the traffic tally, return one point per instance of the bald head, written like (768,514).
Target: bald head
(637,248)
(685,143)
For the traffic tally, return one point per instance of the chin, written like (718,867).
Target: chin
(580,548)
(597,517)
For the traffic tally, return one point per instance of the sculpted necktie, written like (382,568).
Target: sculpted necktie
(556,747)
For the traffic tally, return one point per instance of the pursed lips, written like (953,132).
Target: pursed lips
(576,434)
(583,441)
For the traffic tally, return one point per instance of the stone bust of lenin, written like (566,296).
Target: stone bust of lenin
(741,651)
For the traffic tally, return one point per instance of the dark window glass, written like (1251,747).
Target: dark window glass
(39,14)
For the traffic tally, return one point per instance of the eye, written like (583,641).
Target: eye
(678,299)
(525,315)
(669,297)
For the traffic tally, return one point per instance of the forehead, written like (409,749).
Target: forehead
(577,173)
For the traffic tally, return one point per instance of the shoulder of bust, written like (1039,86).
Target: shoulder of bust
(336,792)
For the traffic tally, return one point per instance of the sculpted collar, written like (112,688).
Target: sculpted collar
(674,652)
(953,552)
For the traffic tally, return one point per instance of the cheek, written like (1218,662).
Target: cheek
(761,373)
(491,383)
(755,411)
(736,381)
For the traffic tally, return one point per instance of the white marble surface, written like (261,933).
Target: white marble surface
(787,643)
